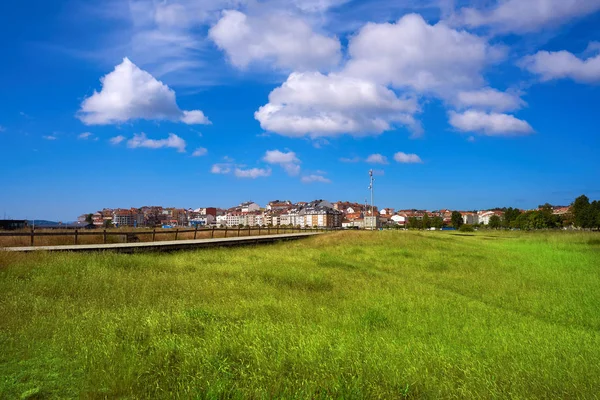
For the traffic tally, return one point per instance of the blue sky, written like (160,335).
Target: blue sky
(190,103)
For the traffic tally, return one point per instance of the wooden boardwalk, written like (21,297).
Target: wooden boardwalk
(170,245)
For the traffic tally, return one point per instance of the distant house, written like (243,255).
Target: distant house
(249,207)
(202,220)
(484,216)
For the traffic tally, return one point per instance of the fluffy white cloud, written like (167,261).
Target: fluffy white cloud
(489,124)
(287,41)
(330,105)
(288,161)
(407,158)
(50,137)
(129,93)
(222,168)
(200,151)
(377,159)
(252,173)
(427,58)
(562,64)
(194,117)
(85,135)
(314,178)
(490,99)
(117,139)
(522,16)
(141,140)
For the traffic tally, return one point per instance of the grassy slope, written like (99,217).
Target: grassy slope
(347,315)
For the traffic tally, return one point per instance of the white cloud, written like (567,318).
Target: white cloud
(281,39)
(252,173)
(490,99)
(85,135)
(222,168)
(407,158)
(377,159)
(489,124)
(562,64)
(350,159)
(522,16)
(129,93)
(194,117)
(2,129)
(426,58)
(314,178)
(200,151)
(288,161)
(320,105)
(173,141)
(50,137)
(117,139)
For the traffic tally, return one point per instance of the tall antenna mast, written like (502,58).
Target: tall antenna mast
(371,189)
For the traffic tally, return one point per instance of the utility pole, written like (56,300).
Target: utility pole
(371,189)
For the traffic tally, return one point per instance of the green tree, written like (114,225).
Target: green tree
(437,222)
(582,212)
(457,219)
(426,221)
(495,222)
(510,216)
(414,223)
(89,218)
(108,223)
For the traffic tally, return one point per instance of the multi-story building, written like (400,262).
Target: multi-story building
(484,216)
(127,218)
(470,217)
(249,206)
(279,206)
(319,213)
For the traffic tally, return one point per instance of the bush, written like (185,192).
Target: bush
(466,228)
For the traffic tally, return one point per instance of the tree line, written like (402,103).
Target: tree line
(582,214)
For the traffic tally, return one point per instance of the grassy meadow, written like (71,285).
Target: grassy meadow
(343,315)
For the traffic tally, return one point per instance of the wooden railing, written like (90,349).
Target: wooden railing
(151,234)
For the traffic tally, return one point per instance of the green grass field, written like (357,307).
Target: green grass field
(344,315)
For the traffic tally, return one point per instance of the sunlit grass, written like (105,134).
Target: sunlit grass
(345,315)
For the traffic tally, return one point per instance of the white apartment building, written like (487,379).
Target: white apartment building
(470,218)
(249,207)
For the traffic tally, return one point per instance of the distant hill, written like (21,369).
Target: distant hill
(43,222)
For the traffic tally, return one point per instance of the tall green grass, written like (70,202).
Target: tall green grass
(345,315)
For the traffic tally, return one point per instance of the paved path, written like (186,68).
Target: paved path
(170,245)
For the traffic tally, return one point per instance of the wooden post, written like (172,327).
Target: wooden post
(176,233)
(76,233)
(278,229)
(104,236)
(195,231)
(212,233)
(225,230)
(32,235)
(249,230)
(153,234)
(268,230)
(259,230)
(239,231)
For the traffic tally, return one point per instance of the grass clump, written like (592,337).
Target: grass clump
(345,315)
